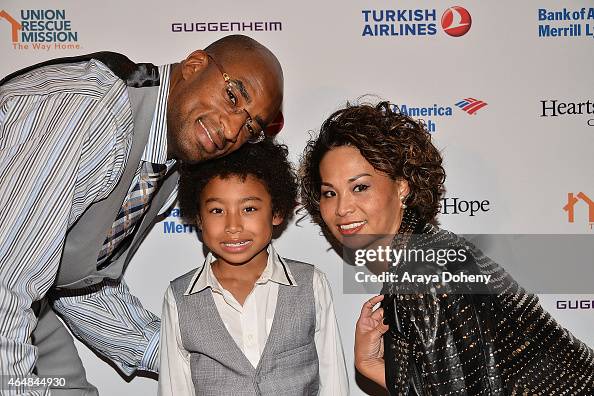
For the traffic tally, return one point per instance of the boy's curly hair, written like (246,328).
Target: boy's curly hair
(266,161)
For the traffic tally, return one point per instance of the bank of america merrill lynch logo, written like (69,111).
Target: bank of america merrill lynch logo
(471,105)
(572,200)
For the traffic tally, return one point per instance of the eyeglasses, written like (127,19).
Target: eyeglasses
(231,96)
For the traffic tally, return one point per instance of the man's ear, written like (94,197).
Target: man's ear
(196,61)
(277,219)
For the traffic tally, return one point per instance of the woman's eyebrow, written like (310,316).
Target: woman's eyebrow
(352,179)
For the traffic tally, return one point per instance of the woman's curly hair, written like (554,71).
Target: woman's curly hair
(392,142)
(266,161)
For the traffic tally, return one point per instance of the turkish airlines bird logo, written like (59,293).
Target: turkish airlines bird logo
(456,21)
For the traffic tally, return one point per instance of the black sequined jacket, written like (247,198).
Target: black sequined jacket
(494,341)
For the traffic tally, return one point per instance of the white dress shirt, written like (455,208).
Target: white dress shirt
(249,326)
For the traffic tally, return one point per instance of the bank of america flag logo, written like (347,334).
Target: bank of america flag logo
(471,105)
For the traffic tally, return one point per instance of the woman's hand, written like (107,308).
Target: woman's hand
(369,345)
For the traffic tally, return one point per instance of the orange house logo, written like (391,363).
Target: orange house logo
(573,200)
(14,25)
(40,29)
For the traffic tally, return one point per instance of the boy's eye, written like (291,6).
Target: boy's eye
(216,211)
(360,187)
(328,194)
(249,209)
(231,95)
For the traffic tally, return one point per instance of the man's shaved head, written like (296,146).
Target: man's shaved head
(229,48)
(238,48)
(207,119)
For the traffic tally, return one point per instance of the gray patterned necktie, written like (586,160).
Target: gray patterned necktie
(135,204)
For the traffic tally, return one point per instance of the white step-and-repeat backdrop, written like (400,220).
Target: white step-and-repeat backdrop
(505,87)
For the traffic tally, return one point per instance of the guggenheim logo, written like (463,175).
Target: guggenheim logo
(575,304)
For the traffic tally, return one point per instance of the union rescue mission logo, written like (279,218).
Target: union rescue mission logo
(38,30)
(431,114)
(455,22)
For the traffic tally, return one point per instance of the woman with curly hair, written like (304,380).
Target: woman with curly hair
(372,172)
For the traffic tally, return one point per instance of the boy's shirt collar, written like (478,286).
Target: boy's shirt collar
(276,271)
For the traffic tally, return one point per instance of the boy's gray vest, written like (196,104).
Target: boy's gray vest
(84,239)
(289,362)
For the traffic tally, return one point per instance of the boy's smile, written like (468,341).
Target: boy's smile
(236,246)
(236,220)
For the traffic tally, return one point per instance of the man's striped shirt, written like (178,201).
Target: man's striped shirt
(65,134)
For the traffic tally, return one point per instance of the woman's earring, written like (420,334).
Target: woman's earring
(402,204)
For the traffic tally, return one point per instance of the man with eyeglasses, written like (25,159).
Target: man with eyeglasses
(89,150)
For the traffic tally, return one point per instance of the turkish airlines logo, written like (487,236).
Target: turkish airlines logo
(456,21)
(573,200)
(471,105)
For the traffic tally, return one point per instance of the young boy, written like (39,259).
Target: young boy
(248,322)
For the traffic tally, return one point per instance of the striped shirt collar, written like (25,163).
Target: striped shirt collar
(276,271)
(156,147)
